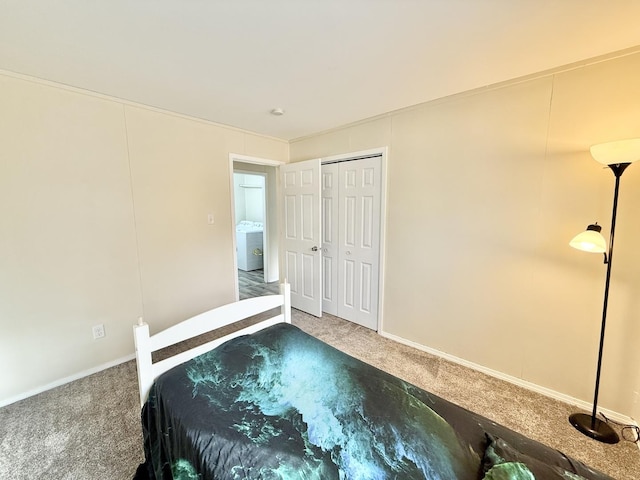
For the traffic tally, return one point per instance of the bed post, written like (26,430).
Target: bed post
(285,290)
(143,358)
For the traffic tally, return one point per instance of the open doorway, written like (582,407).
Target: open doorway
(250,203)
(256,236)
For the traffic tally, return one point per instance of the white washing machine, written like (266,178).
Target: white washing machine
(249,245)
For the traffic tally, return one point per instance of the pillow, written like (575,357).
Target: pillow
(509,471)
(503,462)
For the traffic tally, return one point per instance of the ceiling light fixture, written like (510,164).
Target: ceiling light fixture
(277,112)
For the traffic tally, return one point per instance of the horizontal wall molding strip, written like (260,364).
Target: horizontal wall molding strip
(63,381)
(547,392)
(494,86)
(129,103)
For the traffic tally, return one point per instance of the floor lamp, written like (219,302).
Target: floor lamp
(617,156)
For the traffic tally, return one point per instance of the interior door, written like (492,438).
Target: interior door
(330,241)
(301,242)
(359,241)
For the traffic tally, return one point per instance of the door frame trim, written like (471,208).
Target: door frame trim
(384,153)
(236,157)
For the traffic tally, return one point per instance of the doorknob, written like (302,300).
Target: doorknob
(314,249)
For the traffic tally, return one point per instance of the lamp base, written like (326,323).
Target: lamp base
(594,428)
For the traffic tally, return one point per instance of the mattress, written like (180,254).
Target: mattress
(280,404)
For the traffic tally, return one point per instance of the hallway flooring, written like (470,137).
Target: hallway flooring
(251,284)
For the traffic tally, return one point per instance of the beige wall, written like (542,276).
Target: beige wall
(485,190)
(104,207)
(104,218)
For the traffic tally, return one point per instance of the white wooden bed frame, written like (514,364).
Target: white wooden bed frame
(216,318)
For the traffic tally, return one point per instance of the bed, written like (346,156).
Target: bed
(269,401)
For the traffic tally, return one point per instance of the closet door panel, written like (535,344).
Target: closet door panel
(366,271)
(330,247)
(359,240)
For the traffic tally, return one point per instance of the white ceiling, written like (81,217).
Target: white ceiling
(325,62)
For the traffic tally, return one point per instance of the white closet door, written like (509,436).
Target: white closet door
(301,234)
(359,240)
(330,245)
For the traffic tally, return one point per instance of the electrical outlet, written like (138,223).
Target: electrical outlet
(98,331)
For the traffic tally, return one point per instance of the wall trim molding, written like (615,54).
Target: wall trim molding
(63,381)
(475,91)
(615,416)
(547,392)
(129,103)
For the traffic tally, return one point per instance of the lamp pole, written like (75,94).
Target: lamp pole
(590,425)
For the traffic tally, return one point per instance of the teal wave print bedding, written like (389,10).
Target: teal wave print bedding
(280,404)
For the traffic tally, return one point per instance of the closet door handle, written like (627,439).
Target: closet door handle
(314,249)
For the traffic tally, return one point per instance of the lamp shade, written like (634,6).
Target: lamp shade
(591,240)
(621,151)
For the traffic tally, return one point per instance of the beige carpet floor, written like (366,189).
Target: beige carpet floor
(90,428)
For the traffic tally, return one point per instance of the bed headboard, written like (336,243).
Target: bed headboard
(205,322)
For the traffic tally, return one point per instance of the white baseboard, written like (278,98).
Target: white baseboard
(615,416)
(85,373)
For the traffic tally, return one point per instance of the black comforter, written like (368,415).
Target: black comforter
(280,404)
